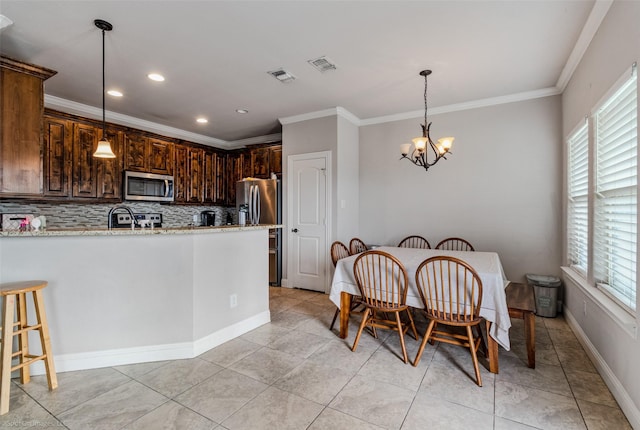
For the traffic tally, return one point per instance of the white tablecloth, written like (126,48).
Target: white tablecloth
(486,264)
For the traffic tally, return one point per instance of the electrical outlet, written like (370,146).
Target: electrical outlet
(584,308)
(233,300)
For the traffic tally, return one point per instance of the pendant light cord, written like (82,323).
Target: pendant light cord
(425,106)
(104,134)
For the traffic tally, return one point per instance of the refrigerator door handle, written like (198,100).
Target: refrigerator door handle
(251,203)
(257,205)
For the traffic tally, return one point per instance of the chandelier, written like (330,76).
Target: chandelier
(423,145)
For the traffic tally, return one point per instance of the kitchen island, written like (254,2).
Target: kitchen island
(121,296)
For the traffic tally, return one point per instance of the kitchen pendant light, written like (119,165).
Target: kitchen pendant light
(104,147)
(422,144)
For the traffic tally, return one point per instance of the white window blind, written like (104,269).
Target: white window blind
(578,195)
(615,210)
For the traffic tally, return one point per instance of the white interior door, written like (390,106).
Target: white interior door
(307,224)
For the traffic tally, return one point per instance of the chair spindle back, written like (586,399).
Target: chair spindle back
(382,280)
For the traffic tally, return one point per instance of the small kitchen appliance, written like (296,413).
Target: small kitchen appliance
(207,218)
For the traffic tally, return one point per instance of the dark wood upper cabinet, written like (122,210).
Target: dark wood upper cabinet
(160,156)
(85,142)
(260,165)
(275,160)
(181,177)
(21,110)
(57,157)
(196,175)
(109,179)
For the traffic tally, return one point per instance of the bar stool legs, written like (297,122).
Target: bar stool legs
(14,304)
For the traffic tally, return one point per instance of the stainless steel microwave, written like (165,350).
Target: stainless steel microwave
(148,186)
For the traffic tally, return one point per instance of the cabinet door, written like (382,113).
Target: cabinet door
(136,152)
(196,176)
(85,141)
(21,109)
(275,159)
(209,176)
(235,173)
(220,196)
(181,176)
(260,163)
(57,157)
(160,157)
(109,170)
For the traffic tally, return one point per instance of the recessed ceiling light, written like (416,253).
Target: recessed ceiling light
(155,77)
(242,111)
(202,120)
(114,93)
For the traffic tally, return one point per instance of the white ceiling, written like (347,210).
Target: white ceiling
(215,55)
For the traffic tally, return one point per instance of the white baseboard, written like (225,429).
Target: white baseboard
(627,405)
(144,354)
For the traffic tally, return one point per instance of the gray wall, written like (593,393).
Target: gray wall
(614,48)
(499,189)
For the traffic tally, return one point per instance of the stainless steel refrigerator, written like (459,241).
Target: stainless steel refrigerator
(261,200)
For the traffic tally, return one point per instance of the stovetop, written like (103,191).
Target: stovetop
(123,220)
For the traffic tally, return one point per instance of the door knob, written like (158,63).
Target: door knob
(295,230)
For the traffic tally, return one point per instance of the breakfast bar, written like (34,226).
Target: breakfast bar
(121,296)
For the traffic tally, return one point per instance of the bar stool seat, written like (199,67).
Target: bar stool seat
(14,295)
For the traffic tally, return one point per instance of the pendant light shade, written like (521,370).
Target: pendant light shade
(104,147)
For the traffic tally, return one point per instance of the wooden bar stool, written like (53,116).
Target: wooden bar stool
(14,295)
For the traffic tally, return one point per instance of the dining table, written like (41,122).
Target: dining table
(486,264)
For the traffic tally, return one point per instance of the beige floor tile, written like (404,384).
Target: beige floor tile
(221,395)
(601,417)
(230,352)
(558,323)
(505,424)
(319,326)
(330,419)
(299,343)
(174,416)
(113,409)
(564,339)
(537,408)
(266,365)
(429,410)
(454,386)
(283,303)
(136,370)
(574,359)
(178,376)
(315,382)
(337,353)
(375,402)
(590,387)
(26,413)
(274,409)
(74,388)
(265,334)
(543,377)
(288,319)
(385,366)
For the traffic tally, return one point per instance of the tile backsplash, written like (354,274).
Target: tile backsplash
(73,215)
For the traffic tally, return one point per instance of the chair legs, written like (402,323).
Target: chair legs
(370,319)
(473,347)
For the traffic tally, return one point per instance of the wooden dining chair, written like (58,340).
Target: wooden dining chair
(356,246)
(451,292)
(414,242)
(338,251)
(454,244)
(382,281)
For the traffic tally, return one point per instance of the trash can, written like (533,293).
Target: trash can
(546,292)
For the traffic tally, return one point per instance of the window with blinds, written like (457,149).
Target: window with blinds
(615,194)
(578,199)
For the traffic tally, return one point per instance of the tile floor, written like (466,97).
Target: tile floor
(296,374)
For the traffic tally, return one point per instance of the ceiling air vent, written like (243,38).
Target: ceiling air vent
(323,64)
(282,75)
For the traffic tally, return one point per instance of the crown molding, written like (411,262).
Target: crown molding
(269,138)
(336,111)
(599,11)
(475,104)
(68,106)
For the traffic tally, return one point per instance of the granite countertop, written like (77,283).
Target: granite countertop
(52,232)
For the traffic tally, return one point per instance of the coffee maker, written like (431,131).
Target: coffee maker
(207,218)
